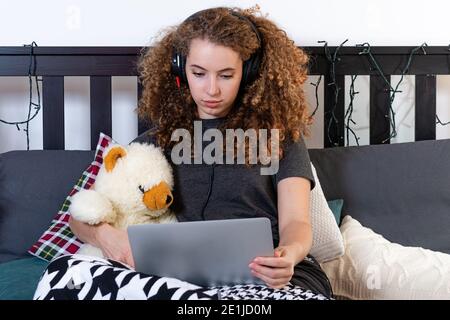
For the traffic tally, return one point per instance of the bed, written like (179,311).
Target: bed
(400,191)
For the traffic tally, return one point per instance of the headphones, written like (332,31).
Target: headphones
(249,69)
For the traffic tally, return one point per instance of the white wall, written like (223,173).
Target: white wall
(135,22)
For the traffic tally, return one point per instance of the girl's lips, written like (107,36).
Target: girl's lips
(211,104)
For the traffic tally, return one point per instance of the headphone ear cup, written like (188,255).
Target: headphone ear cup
(183,69)
(250,70)
(174,65)
(254,68)
(178,66)
(245,70)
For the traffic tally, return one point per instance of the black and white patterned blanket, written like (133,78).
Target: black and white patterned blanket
(85,277)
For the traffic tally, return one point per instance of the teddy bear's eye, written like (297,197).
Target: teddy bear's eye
(141,189)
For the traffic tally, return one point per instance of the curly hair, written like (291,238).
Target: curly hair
(274,100)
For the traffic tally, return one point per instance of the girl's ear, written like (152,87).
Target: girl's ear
(114,154)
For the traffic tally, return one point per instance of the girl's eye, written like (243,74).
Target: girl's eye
(201,74)
(141,189)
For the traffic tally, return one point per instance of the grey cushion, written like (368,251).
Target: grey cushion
(401,191)
(33,186)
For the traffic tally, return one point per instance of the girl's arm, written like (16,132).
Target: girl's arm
(113,242)
(295,230)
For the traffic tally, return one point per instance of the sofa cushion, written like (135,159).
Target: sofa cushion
(401,191)
(58,239)
(375,268)
(336,208)
(19,278)
(327,242)
(43,179)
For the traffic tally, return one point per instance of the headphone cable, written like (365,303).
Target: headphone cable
(211,179)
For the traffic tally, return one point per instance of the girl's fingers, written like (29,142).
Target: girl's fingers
(276,262)
(273,273)
(279,252)
(274,283)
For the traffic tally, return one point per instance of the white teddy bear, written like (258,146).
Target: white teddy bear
(133,186)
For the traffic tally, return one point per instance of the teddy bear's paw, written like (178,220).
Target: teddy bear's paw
(91,207)
(89,250)
(169,217)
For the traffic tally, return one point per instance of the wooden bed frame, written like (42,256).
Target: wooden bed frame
(101,63)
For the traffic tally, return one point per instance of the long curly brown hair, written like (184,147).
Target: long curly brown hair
(275,100)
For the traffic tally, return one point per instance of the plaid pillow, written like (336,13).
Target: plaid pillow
(58,239)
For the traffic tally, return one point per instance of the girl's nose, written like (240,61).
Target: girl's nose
(213,88)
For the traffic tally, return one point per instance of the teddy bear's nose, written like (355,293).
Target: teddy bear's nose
(158,197)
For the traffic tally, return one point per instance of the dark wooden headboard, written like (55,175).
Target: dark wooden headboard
(101,63)
(423,64)
(53,63)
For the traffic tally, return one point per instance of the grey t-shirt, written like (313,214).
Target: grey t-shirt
(229,191)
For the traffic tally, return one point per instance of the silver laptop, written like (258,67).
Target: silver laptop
(206,253)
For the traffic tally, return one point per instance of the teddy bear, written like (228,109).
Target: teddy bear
(133,186)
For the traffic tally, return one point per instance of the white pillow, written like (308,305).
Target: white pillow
(375,268)
(327,239)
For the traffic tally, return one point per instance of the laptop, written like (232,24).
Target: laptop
(205,253)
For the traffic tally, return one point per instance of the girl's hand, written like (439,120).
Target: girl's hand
(275,271)
(115,244)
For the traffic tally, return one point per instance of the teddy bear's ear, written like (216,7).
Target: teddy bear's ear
(114,154)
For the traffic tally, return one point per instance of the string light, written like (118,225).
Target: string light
(37,107)
(316,85)
(367,51)
(333,59)
(349,112)
(438,121)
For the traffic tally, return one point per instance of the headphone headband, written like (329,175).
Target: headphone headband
(234,13)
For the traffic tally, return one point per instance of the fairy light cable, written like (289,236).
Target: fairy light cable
(393,91)
(349,112)
(333,59)
(31,104)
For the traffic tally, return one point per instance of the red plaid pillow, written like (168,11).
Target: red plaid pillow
(58,239)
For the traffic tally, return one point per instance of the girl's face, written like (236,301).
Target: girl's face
(214,74)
